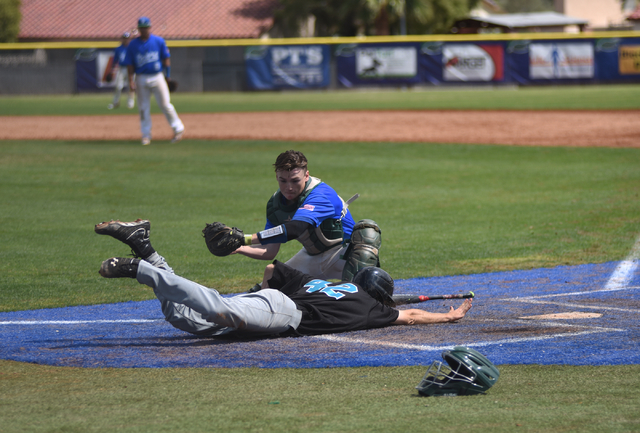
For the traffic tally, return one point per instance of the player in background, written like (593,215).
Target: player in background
(308,210)
(148,60)
(121,74)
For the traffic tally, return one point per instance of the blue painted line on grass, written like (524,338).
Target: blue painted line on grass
(134,334)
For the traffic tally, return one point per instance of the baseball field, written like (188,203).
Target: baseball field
(529,197)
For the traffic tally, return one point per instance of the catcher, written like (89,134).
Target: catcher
(308,210)
(292,303)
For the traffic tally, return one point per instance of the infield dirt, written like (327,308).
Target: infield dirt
(525,128)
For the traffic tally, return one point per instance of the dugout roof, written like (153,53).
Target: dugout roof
(522,22)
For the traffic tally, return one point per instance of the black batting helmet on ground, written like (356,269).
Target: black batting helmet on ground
(377,283)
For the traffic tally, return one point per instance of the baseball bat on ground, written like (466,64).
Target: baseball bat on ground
(413,299)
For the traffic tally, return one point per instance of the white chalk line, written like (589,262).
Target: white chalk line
(549,323)
(422,347)
(624,271)
(569,304)
(555,295)
(75,322)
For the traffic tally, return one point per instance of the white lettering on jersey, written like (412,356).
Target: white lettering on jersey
(150,57)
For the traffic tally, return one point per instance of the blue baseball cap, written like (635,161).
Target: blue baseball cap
(144,22)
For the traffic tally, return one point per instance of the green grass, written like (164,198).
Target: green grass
(609,97)
(443,209)
(526,398)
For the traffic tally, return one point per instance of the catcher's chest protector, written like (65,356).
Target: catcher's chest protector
(316,240)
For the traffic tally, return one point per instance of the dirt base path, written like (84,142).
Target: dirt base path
(526,128)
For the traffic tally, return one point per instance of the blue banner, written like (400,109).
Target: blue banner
(91,68)
(617,59)
(287,66)
(520,62)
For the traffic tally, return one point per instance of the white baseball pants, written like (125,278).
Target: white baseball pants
(122,80)
(200,310)
(146,85)
(326,266)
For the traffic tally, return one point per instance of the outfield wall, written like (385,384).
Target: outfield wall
(330,63)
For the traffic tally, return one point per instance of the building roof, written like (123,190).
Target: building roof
(533,19)
(635,15)
(75,20)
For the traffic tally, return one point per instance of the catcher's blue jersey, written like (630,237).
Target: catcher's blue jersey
(322,203)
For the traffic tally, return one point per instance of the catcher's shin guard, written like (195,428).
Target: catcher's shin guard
(363,249)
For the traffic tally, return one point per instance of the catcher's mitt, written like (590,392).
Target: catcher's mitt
(221,239)
(172,85)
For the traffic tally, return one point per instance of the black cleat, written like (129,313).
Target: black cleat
(135,234)
(118,267)
(256,288)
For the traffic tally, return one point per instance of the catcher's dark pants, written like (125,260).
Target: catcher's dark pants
(200,310)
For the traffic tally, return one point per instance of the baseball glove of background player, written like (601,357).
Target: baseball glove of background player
(172,84)
(222,240)
(109,77)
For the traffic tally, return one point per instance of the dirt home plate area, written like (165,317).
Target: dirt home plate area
(577,315)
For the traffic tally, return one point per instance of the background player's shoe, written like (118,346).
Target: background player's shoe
(146,141)
(135,234)
(177,136)
(112,106)
(131,104)
(118,267)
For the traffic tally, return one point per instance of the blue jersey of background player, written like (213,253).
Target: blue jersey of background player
(119,54)
(147,57)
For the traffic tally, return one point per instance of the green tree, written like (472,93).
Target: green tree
(9,20)
(369,17)
(436,16)
(522,6)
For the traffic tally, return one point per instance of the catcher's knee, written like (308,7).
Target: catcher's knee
(363,249)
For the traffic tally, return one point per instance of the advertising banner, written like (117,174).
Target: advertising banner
(561,60)
(91,68)
(629,59)
(377,64)
(381,62)
(472,62)
(287,66)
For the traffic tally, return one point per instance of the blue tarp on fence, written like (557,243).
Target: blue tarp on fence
(521,62)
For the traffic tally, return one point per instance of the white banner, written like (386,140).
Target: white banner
(467,62)
(386,62)
(104,61)
(567,60)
